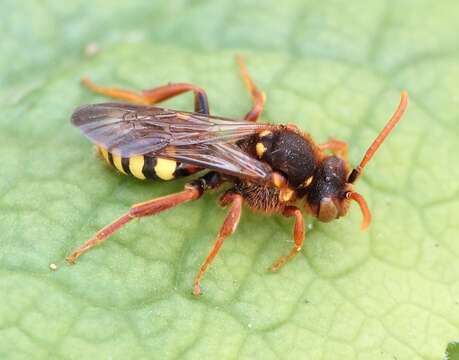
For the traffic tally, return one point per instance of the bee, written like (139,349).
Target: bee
(272,169)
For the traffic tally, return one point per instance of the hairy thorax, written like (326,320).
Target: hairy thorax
(260,198)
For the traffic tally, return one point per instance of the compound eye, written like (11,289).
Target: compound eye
(327,210)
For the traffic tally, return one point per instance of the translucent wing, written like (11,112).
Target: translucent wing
(225,158)
(202,140)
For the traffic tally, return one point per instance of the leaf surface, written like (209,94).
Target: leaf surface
(335,69)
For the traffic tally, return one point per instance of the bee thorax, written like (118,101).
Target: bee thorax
(259,197)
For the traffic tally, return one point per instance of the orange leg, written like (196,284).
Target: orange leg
(154,96)
(229,226)
(339,147)
(298,236)
(258,97)
(151,207)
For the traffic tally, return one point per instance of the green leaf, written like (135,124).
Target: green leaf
(335,69)
(452,352)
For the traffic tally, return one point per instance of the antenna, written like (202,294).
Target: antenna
(380,138)
(363,208)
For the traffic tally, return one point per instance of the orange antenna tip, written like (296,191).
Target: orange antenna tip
(363,208)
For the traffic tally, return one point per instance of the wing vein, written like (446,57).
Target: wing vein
(206,141)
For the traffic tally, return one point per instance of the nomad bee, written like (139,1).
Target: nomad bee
(272,169)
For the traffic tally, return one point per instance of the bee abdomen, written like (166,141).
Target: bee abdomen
(147,167)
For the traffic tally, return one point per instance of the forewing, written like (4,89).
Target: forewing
(121,128)
(202,140)
(226,158)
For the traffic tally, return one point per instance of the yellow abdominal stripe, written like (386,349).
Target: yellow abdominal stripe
(165,168)
(104,153)
(136,164)
(117,163)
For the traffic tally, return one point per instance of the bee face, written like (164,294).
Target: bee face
(326,195)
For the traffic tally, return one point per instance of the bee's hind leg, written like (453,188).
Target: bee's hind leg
(155,95)
(193,191)
(147,208)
